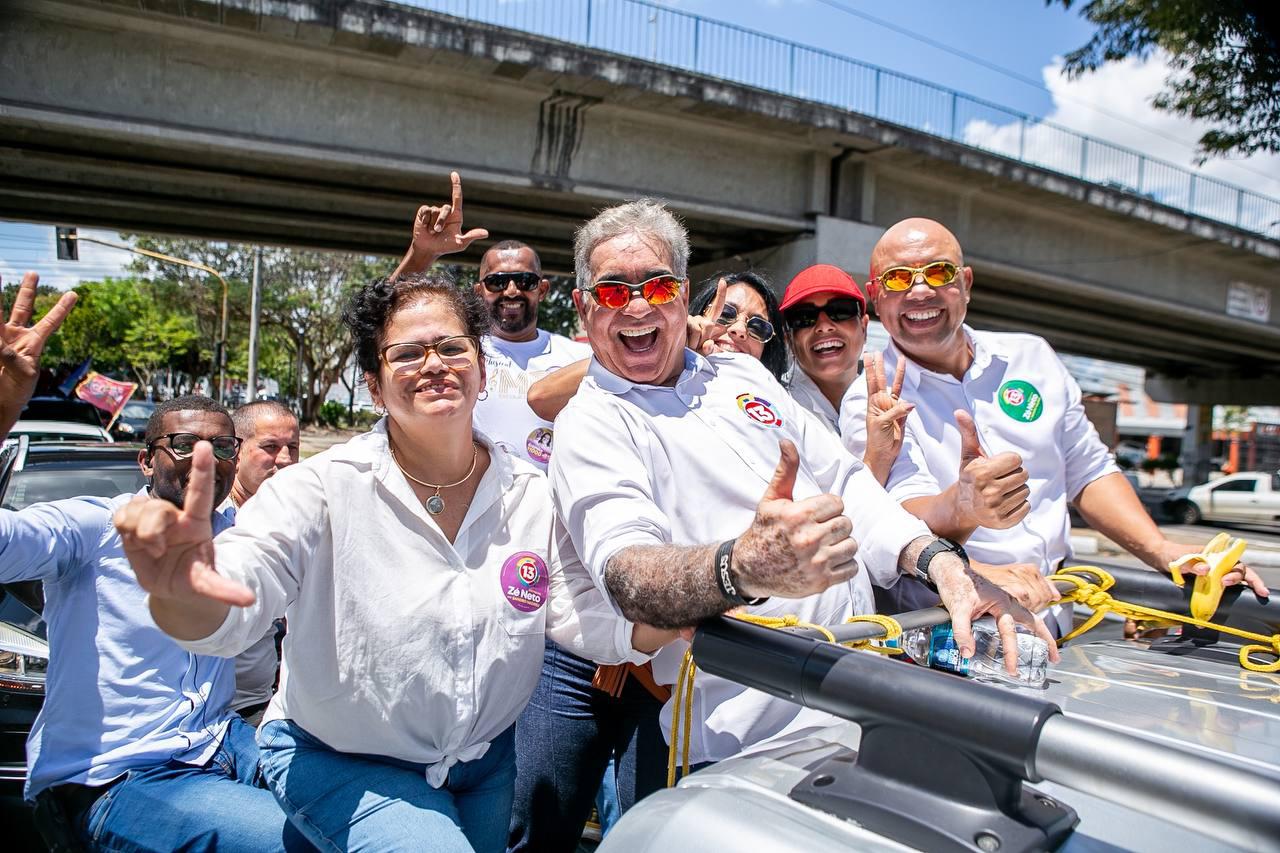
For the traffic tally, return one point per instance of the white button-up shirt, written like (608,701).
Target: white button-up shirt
(1022,399)
(808,394)
(510,368)
(402,643)
(687,465)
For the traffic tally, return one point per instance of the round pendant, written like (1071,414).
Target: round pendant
(435,504)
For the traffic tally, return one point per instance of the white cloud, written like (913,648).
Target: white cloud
(1106,105)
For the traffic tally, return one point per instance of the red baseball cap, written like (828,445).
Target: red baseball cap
(821,278)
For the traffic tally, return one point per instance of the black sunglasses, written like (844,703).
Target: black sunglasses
(757,326)
(183,444)
(805,315)
(496,282)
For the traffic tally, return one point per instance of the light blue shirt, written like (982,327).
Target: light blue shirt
(120,694)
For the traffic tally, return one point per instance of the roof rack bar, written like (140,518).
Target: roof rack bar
(1009,731)
(1191,789)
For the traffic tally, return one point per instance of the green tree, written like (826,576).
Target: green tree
(303,344)
(1225,55)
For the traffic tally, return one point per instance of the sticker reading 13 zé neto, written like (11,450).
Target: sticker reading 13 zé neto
(524,581)
(1020,400)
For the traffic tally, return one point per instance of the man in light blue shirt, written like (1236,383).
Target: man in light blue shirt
(136,746)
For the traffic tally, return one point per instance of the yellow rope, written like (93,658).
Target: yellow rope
(682,707)
(892,631)
(1093,594)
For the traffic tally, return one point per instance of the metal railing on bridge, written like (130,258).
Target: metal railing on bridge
(647,31)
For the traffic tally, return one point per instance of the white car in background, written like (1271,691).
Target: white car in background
(42,431)
(1251,497)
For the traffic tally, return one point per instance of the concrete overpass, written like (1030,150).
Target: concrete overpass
(324,123)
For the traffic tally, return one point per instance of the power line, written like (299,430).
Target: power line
(1021,78)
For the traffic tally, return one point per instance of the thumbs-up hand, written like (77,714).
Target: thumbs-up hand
(794,548)
(991,491)
(171,549)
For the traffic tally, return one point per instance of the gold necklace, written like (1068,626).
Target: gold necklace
(435,503)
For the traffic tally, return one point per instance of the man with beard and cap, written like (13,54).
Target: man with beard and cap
(517,353)
(136,745)
(998,442)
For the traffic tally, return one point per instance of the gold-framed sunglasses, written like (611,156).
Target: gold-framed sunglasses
(936,274)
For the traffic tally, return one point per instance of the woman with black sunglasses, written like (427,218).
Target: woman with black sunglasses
(751,317)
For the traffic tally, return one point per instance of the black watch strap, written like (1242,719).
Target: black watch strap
(725,580)
(933,549)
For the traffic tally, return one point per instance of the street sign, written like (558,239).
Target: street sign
(1249,301)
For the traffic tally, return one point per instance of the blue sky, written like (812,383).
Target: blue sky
(1025,37)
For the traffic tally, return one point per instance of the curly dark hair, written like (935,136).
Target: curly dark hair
(372,307)
(776,356)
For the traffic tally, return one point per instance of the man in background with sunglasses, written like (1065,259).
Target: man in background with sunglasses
(136,745)
(998,442)
(517,353)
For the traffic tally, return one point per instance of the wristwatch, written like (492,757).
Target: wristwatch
(933,549)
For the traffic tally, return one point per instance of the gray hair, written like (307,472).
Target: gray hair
(642,216)
(246,417)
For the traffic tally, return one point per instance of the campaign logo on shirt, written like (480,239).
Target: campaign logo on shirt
(1020,400)
(524,581)
(538,445)
(759,410)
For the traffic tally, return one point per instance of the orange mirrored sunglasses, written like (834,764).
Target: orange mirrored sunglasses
(658,290)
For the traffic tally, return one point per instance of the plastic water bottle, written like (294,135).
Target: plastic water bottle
(936,647)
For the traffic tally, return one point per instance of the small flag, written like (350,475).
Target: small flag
(69,384)
(105,393)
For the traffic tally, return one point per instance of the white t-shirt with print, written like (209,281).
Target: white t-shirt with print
(511,367)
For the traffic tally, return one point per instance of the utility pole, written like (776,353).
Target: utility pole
(252,393)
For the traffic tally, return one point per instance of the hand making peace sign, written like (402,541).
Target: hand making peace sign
(886,415)
(20,348)
(705,331)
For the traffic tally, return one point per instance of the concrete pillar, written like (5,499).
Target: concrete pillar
(1197,445)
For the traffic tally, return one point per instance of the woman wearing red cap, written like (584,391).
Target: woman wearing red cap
(826,315)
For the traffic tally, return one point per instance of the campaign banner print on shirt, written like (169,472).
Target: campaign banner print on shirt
(759,410)
(524,581)
(1020,400)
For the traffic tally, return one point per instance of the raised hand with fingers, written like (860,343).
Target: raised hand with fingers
(437,231)
(172,554)
(703,332)
(992,491)
(794,548)
(886,415)
(21,346)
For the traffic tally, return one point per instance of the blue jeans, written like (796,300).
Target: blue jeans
(564,740)
(607,807)
(220,806)
(347,801)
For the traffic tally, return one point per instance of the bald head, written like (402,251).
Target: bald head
(915,242)
(925,321)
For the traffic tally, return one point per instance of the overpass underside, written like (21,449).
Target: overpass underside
(323,124)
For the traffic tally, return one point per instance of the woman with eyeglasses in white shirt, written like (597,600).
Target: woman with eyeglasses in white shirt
(419,566)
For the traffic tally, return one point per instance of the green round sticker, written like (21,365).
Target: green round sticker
(1020,400)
